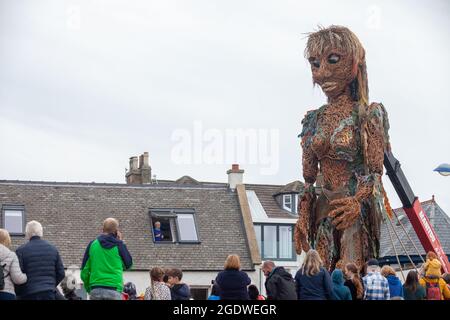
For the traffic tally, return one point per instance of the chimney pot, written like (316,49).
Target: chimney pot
(133,163)
(140,171)
(145,160)
(146,171)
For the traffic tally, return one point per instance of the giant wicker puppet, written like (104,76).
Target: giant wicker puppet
(344,142)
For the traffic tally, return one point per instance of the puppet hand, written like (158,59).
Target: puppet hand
(346,212)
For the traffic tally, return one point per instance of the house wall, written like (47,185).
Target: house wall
(193,278)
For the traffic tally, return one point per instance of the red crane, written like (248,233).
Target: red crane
(411,204)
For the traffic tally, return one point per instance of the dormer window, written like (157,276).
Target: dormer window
(287,202)
(287,196)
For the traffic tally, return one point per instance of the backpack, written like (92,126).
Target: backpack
(433,291)
(3,276)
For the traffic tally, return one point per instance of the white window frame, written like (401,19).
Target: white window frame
(172,215)
(287,196)
(296,204)
(259,228)
(179,231)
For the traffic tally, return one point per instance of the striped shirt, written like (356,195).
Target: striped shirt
(376,287)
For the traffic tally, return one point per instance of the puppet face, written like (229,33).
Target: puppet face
(333,71)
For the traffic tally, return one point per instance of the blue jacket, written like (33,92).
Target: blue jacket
(233,284)
(42,264)
(395,286)
(180,291)
(316,287)
(340,291)
(158,234)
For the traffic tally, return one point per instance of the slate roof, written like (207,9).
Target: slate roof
(438,219)
(266,195)
(72,215)
(187,180)
(293,187)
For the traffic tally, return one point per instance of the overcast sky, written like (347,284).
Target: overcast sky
(84,85)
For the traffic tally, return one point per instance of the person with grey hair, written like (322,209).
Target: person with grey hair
(41,262)
(279,283)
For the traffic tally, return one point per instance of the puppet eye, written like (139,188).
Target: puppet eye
(333,58)
(314,62)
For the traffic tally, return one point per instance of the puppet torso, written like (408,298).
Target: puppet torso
(336,144)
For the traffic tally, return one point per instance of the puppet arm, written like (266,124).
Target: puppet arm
(310,170)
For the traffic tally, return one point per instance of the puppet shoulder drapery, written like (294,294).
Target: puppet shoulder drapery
(302,231)
(374,126)
(309,159)
(375,141)
(376,136)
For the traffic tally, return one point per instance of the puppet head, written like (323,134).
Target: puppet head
(338,63)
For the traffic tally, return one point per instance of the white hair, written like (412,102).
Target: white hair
(33,228)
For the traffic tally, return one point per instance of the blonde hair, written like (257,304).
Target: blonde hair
(5,239)
(312,263)
(343,39)
(110,225)
(387,270)
(232,262)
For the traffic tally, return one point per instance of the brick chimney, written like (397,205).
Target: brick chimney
(235,176)
(146,171)
(140,171)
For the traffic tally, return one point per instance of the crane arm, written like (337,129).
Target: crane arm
(413,209)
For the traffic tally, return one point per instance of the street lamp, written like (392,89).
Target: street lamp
(443,169)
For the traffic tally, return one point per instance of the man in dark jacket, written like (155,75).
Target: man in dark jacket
(42,264)
(279,284)
(103,264)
